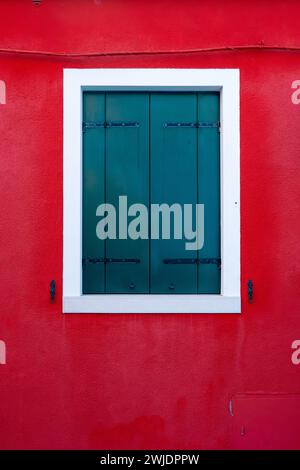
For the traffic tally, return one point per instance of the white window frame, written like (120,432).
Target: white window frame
(226,81)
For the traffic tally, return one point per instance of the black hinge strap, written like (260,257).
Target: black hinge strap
(86,125)
(216,261)
(122,124)
(110,260)
(196,125)
(92,125)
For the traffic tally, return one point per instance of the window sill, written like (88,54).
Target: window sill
(122,303)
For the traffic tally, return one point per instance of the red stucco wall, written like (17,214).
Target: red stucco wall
(145,381)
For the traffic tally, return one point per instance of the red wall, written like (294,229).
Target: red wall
(146,381)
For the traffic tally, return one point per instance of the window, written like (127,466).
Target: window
(150,137)
(151,148)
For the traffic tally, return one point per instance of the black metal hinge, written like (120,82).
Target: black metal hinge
(86,125)
(196,125)
(122,124)
(92,125)
(109,260)
(216,261)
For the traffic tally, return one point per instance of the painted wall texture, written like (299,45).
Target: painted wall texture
(148,381)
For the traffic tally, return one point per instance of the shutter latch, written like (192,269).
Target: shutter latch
(250,291)
(52,290)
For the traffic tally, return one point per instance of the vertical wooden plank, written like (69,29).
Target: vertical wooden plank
(127,174)
(173,180)
(93,190)
(209,275)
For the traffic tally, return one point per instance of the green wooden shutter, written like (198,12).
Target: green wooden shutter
(209,275)
(93,190)
(173,180)
(127,174)
(150,161)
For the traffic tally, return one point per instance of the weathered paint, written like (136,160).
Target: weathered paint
(149,381)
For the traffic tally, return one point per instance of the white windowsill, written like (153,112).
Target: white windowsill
(139,303)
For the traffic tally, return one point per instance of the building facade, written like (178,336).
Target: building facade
(140,377)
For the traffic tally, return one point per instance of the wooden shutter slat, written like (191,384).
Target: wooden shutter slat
(127,174)
(173,180)
(209,275)
(93,281)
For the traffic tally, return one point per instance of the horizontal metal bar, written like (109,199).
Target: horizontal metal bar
(209,124)
(123,124)
(180,124)
(95,125)
(216,261)
(180,261)
(110,260)
(123,260)
(195,125)
(92,125)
